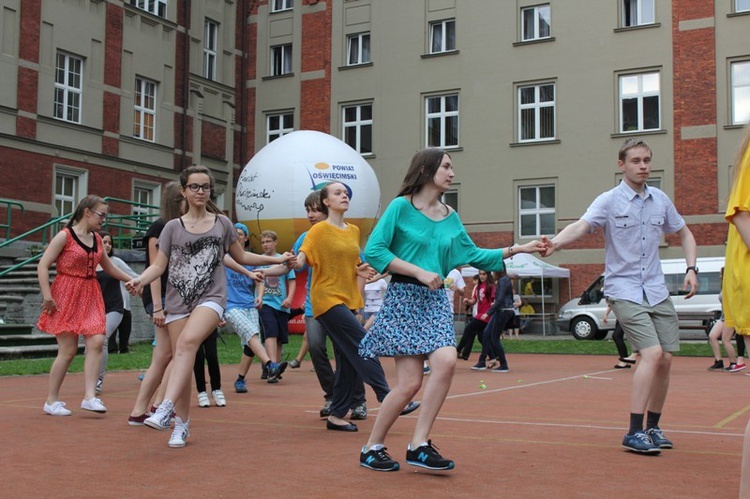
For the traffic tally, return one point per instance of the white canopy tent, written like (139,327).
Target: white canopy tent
(526,265)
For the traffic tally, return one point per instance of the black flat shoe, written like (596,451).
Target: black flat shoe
(410,407)
(627,361)
(618,366)
(341,427)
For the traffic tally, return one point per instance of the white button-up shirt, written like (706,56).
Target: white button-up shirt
(633,226)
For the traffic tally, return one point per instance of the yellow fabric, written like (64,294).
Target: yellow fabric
(736,286)
(333,253)
(527,309)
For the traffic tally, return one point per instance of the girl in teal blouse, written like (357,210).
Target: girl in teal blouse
(419,239)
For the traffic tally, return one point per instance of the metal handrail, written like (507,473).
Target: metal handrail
(129,223)
(122,223)
(9,206)
(43,229)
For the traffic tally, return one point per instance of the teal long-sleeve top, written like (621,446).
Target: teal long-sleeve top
(437,246)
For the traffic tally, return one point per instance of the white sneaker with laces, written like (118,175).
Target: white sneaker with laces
(180,434)
(161,418)
(56,409)
(203,399)
(93,405)
(219,399)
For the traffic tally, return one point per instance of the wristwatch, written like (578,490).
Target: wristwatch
(693,268)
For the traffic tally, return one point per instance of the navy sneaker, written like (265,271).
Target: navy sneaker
(264,372)
(377,460)
(275,370)
(240,386)
(479,366)
(640,442)
(658,439)
(427,456)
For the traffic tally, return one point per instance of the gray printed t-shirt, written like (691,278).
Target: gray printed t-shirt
(196,269)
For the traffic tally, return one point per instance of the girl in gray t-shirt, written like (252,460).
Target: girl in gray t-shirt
(193,246)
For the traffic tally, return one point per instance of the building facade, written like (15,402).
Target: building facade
(532,100)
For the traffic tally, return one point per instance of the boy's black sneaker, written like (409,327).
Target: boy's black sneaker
(377,460)
(427,456)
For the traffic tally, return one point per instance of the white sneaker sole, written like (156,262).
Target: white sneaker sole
(155,425)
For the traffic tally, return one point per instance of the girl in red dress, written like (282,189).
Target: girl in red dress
(73,305)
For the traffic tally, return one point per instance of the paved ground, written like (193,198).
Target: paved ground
(541,430)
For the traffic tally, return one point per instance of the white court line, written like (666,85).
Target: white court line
(583,426)
(527,385)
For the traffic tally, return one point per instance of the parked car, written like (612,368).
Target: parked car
(583,316)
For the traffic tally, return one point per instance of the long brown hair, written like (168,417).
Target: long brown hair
(88,202)
(190,170)
(172,201)
(424,165)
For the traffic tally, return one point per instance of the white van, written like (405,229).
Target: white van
(583,316)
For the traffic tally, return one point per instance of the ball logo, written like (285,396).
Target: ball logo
(272,188)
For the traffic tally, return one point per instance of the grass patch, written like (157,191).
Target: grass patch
(230,352)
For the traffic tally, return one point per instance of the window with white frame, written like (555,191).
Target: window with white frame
(536,112)
(144,110)
(536,210)
(357,127)
(156,7)
(358,49)
(535,22)
(278,125)
(210,48)
(637,12)
(70,188)
(147,196)
(741,5)
(740,92)
(279,5)
(639,102)
(441,127)
(68,87)
(442,36)
(281,60)
(450,198)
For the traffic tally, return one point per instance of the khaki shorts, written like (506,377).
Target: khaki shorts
(648,326)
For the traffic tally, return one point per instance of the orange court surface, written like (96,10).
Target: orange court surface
(551,427)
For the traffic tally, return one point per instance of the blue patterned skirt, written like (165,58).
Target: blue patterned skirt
(412,321)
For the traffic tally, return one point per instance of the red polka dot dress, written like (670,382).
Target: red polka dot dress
(80,306)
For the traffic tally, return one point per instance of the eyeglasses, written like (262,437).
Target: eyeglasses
(101,215)
(198,187)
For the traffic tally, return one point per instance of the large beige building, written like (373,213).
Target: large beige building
(532,99)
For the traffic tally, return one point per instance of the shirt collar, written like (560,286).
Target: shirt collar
(631,194)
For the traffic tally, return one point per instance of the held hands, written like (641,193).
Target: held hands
(365,271)
(134,286)
(532,247)
(255,276)
(289,258)
(549,246)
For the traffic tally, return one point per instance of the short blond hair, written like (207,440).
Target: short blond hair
(269,233)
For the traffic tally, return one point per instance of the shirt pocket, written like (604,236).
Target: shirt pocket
(656,224)
(624,228)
